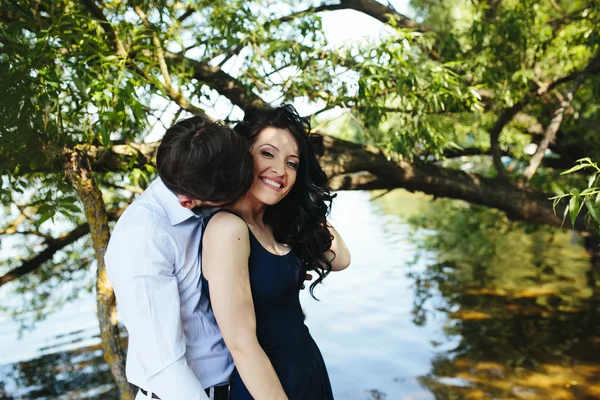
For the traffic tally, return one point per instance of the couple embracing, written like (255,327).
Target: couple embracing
(208,262)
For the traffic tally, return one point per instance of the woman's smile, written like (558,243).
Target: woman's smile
(272,183)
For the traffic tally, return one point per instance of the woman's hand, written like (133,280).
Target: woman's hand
(307,277)
(338,254)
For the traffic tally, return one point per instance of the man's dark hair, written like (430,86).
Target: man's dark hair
(205,160)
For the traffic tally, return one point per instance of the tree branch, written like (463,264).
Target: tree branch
(509,113)
(353,166)
(12,226)
(160,54)
(372,8)
(106,26)
(348,162)
(310,10)
(167,88)
(592,68)
(467,152)
(53,245)
(222,82)
(188,13)
(214,77)
(550,132)
(506,116)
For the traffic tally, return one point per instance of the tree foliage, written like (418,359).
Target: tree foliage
(588,198)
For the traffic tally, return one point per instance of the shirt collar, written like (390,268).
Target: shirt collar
(168,200)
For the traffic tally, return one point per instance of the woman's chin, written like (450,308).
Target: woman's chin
(269,197)
(271,202)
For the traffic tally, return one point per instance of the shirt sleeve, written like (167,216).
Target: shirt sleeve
(140,262)
(177,382)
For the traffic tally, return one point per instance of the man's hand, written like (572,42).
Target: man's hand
(307,277)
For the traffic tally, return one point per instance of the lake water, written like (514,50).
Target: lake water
(473,344)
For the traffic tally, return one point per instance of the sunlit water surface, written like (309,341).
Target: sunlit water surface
(363,324)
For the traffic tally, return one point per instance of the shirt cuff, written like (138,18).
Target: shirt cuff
(177,382)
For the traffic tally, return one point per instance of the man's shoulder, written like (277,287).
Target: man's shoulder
(145,212)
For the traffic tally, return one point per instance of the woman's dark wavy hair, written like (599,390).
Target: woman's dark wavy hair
(300,219)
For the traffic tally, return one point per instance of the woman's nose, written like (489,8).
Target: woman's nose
(277,168)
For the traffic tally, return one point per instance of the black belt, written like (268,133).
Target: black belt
(220,392)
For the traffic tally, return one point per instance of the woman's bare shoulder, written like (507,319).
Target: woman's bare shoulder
(226,227)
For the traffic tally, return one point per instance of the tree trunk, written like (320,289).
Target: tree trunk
(79,173)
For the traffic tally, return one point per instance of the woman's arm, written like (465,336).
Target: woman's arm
(341,259)
(225,251)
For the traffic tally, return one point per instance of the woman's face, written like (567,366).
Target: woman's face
(276,160)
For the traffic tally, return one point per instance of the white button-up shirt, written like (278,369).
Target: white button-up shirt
(153,261)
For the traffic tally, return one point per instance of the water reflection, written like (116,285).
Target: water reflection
(75,374)
(522,301)
(372,352)
(490,310)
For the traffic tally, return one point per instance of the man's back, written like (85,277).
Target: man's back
(153,261)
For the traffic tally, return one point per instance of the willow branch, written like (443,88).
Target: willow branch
(167,87)
(53,245)
(12,226)
(157,46)
(352,166)
(213,76)
(506,116)
(310,10)
(509,113)
(106,26)
(550,132)
(188,13)
(372,8)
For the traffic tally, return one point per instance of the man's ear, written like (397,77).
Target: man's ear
(187,201)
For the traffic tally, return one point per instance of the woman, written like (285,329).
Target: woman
(254,259)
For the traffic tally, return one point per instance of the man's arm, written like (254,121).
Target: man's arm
(140,266)
(225,251)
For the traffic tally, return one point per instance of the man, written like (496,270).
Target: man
(176,351)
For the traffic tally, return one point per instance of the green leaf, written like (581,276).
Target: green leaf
(585,160)
(575,169)
(45,209)
(592,180)
(574,206)
(71,207)
(565,215)
(592,210)
(44,218)
(105,135)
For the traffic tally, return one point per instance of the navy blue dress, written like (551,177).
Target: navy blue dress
(275,285)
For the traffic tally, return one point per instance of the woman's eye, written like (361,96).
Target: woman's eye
(292,164)
(266,153)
